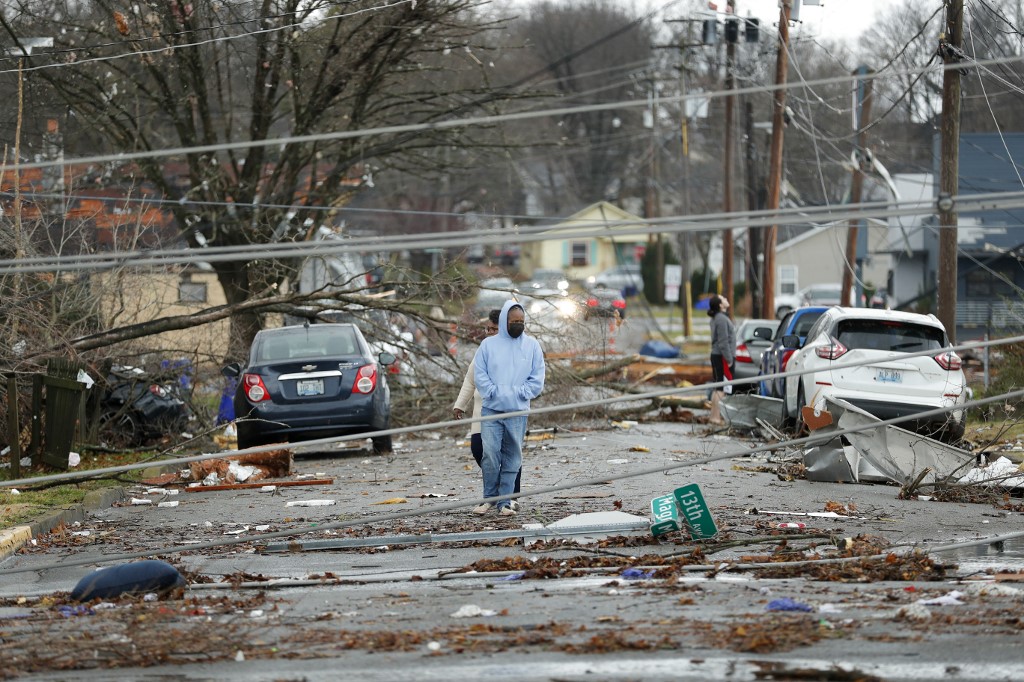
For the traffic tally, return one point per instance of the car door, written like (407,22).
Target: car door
(804,365)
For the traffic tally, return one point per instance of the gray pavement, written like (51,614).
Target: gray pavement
(594,626)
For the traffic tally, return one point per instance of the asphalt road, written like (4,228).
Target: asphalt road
(389,611)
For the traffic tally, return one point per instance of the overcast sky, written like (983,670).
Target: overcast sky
(832,19)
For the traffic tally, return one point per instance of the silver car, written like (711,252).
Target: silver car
(753,337)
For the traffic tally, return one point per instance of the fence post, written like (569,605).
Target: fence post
(13,427)
(63,400)
(35,446)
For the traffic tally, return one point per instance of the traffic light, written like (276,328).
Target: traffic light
(709,35)
(732,30)
(752,29)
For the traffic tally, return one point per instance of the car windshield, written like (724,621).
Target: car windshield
(889,335)
(804,323)
(314,342)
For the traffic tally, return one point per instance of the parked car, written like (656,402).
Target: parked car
(550,278)
(879,299)
(626,279)
(311,381)
(775,358)
(813,295)
(492,294)
(604,303)
(753,337)
(883,382)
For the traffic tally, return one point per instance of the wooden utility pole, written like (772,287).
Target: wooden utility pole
(775,159)
(730,60)
(754,190)
(652,207)
(862,115)
(950,48)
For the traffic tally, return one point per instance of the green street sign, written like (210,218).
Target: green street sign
(695,512)
(665,514)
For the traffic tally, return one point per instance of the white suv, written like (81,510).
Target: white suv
(885,382)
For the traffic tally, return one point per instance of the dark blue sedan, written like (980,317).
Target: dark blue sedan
(774,358)
(311,381)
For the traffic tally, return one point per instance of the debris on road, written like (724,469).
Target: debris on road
(261,486)
(139,577)
(254,467)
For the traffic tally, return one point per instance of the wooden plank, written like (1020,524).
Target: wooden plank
(261,484)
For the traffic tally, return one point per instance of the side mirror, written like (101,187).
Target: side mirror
(791,341)
(763,333)
(386,358)
(233,370)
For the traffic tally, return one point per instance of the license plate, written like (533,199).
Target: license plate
(306,387)
(889,376)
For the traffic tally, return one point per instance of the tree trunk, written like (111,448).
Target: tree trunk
(234,279)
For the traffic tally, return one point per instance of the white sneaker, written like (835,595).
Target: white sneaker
(483,508)
(508,511)
(514,504)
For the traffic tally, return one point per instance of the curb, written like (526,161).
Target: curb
(13,539)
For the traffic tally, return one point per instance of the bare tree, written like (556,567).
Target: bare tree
(151,76)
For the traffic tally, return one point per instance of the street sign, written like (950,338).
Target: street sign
(695,512)
(671,293)
(674,275)
(666,516)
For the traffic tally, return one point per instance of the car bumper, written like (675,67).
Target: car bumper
(269,422)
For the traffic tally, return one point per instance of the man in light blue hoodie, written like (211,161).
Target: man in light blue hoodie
(509,373)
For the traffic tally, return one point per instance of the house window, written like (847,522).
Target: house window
(191,292)
(787,279)
(580,254)
(981,283)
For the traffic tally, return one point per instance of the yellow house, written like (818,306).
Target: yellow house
(136,296)
(581,257)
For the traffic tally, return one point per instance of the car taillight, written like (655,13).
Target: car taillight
(949,360)
(366,379)
(158,391)
(833,351)
(619,303)
(255,389)
(742,354)
(591,302)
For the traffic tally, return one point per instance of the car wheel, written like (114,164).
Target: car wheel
(119,429)
(382,445)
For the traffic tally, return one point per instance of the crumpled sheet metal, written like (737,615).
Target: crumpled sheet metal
(832,462)
(899,454)
(742,410)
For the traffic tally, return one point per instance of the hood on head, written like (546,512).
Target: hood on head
(503,318)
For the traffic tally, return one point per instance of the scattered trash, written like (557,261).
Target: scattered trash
(473,611)
(239,656)
(625,424)
(69,611)
(639,448)
(253,467)
(392,500)
(138,577)
(74,459)
(792,525)
(172,503)
(433,646)
(311,503)
(138,501)
(618,461)
(746,410)
(914,611)
(829,608)
(951,599)
(15,491)
(1000,472)
(637,574)
(514,576)
(787,604)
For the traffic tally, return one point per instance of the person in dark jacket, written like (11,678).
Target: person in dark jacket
(723,350)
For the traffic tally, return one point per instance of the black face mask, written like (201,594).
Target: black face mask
(516,329)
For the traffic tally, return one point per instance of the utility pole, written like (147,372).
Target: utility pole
(754,190)
(775,159)
(730,61)
(861,116)
(950,48)
(652,203)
